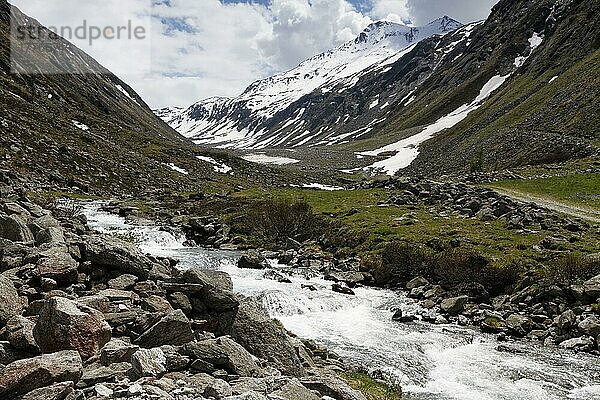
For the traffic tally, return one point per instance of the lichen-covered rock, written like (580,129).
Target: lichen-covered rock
(66,325)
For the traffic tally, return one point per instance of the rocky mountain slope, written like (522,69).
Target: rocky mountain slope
(519,88)
(268,113)
(90,131)
(544,57)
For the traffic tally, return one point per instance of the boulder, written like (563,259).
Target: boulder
(417,282)
(10,303)
(19,331)
(14,228)
(49,235)
(66,325)
(519,324)
(583,343)
(343,289)
(327,383)
(156,304)
(117,351)
(294,390)
(276,276)
(111,253)
(26,375)
(149,363)
(56,263)
(173,329)
(247,396)
(255,330)
(591,287)
(58,391)
(215,279)
(252,259)
(590,326)
(210,386)
(566,321)
(181,302)
(223,353)
(454,305)
(123,282)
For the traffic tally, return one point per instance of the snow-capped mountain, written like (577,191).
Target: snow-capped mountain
(264,114)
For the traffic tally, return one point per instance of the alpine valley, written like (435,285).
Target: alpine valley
(414,214)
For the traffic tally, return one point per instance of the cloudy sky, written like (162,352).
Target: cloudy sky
(202,48)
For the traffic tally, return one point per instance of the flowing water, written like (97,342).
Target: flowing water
(429,361)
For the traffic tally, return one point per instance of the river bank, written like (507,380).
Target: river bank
(445,361)
(86,315)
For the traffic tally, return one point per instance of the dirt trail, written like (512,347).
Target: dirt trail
(585,213)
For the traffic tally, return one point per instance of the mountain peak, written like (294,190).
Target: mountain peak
(445,24)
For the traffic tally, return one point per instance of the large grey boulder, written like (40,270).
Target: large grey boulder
(56,263)
(10,304)
(173,329)
(519,324)
(327,383)
(210,386)
(58,391)
(19,332)
(454,305)
(294,390)
(216,279)
(117,351)
(252,259)
(14,228)
(255,330)
(214,290)
(66,325)
(591,287)
(223,353)
(49,235)
(26,375)
(111,253)
(149,363)
(590,326)
(583,343)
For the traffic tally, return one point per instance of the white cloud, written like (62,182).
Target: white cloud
(391,10)
(465,11)
(207,48)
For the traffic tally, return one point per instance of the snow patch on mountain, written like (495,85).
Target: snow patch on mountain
(218,167)
(407,149)
(261,158)
(239,122)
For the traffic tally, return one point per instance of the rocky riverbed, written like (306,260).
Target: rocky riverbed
(89,316)
(441,360)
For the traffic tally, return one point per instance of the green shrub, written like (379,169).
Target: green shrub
(477,163)
(502,277)
(456,266)
(401,262)
(572,268)
(279,221)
